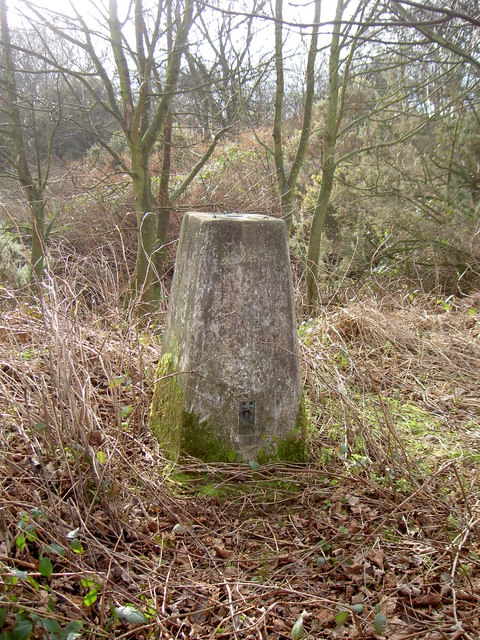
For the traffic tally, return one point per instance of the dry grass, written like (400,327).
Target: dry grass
(386,517)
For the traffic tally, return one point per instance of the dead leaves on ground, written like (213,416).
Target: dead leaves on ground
(346,552)
(344,549)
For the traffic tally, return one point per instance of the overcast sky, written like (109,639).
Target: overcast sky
(293,9)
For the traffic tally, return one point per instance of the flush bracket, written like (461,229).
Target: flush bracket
(246,418)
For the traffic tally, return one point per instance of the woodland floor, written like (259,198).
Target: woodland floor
(378,537)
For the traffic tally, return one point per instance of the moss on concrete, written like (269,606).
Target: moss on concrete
(177,429)
(290,449)
(293,448)
(199,440)
(167,408)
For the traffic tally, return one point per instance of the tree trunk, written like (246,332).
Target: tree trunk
(164,197)
(32,188)
(287,203)
(328,168)
(37,256)
(143,288)
(316,233)
(142,131)
(287,180)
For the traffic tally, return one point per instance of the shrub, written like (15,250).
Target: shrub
(14,271)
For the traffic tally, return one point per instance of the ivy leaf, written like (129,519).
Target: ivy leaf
(297,630)
(341,618)
(32,582)
(87,583)
(125,411)
(39,513)
(45,567)
(76,546)
(102,457)
(31,532)
(3,617)
(357,608)
(51,626)
(379,622)
(21,575)
(131,614)
(20,541)
(72,631)
(91,597)
(22,630)
(117,381)
(56,548)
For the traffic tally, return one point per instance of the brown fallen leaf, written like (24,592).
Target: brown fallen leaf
(351,500)
(428,600)
(356,570)
(355,526)
(280,626)
(377,556)
(388,606)
(152,525)
(408,591)
(222,552)
(95,438)
(182,558)
(325,617)
(466,595)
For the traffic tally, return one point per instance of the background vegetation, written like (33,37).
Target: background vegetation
(362,130)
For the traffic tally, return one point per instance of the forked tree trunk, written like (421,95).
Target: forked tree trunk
(143,125)
(316,233)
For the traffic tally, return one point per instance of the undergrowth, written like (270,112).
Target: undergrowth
(101,537)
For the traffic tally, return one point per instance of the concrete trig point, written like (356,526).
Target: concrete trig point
(228,385)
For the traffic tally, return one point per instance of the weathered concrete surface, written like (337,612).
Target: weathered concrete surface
(231,337)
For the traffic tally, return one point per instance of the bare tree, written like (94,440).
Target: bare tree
(134,66)
(19,134)
(423,89)
(135,74)
(287,178)
(442,23)
(347,35)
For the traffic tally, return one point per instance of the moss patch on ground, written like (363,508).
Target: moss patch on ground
(230,482)
(420,432)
